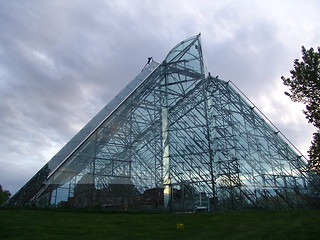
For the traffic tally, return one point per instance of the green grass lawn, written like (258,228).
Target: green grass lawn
(49,224)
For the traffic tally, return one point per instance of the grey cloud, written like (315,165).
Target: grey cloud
(250,59)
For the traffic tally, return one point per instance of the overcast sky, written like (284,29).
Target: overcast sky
(62,61)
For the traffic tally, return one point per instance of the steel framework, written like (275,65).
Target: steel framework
(174,139)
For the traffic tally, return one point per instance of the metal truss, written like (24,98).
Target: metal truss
(177,140)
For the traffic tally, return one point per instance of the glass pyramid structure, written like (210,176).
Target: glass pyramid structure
(174,139)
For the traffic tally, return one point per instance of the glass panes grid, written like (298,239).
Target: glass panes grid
(174,139)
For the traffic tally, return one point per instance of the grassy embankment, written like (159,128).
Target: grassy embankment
(66,224)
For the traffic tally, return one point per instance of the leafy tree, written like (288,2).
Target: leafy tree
(4,195)
(304,86)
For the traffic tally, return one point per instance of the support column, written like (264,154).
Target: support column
(212,140)
(165,141)
(166,158)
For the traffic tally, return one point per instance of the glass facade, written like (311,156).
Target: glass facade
(174,139)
